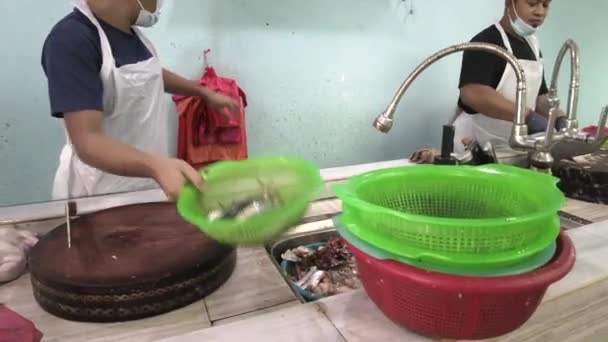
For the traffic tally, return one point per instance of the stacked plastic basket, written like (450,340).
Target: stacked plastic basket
(456,252)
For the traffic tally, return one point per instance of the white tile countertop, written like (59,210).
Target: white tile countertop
(256,287)
(270,312)
(56,209)
(257,303)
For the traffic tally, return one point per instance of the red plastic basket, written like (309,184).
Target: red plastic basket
(593,129)
(459,307)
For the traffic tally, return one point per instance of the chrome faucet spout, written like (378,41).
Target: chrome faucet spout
(384,121)
(574,88)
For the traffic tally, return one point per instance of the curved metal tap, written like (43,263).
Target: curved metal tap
(573,92)
(541,159)
(574,143)
(600,136)
(519,138)
(538,145)
(384,121)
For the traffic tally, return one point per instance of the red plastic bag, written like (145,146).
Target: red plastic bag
(204,134)
(15,328)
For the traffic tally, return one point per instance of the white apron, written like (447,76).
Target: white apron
(484,128)
(134,114)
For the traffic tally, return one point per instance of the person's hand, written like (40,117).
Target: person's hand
(172,174)
(536,123)
(424,156)
(560,122)
(224,104)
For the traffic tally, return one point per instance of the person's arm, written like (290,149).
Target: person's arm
(487,100)
(480,74)
(542,107)
(542,101)
(71,61)
(96,149)
(99,151)
(177,85)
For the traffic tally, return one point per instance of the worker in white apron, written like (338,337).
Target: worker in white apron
(107,83)
(486,109)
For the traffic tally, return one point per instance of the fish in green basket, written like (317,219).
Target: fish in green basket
(249,206)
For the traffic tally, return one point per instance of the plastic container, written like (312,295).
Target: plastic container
(526,265)
(287,267)
(296,181)
(477,262)
(460,210)
(440,305)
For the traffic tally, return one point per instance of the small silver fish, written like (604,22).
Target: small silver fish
(215,215)
(289,255)
(303,251)
(315,279)
(306,277)
(254,208)
(249,206)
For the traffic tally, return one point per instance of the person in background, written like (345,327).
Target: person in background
(106,82)
(488,83)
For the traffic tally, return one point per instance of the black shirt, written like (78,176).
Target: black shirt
(480,67)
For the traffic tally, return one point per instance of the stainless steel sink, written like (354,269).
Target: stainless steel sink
(566,150)
(277,248)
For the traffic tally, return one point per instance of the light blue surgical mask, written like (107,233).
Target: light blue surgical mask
(520,27)
(147,18)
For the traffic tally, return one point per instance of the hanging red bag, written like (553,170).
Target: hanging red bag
(206,135)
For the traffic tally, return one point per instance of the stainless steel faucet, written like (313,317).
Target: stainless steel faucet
(519,136)
(384,122)
(541,158)
(575,77)
(579,144)
(538,145)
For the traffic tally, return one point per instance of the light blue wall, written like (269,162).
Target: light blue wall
(585,22)
(316,74)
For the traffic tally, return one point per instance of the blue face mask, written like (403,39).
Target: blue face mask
(520,27)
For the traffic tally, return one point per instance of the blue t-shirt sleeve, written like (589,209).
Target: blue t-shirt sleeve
(72,60)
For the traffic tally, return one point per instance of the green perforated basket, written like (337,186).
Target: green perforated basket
(483,269)
(296,181)
(466,262)
(491,209)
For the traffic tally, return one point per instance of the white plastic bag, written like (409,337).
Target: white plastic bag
(14,247)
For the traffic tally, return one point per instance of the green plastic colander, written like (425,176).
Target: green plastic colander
(525,265)
(471,261)
(460,210)
(296,181)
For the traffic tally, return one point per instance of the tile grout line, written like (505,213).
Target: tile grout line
(324,313)
(251,311)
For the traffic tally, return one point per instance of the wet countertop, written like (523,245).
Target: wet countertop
(257,304)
